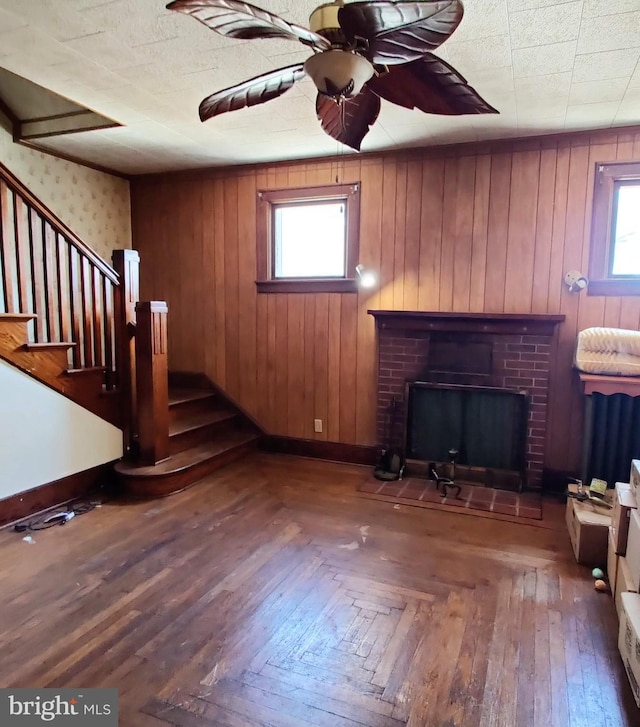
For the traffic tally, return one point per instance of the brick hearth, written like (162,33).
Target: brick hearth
(520,357)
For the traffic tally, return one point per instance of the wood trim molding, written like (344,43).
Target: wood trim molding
(606,178)
(530,324)
(469,148)
(317,449)
(53,494)
(315,285)
(608,385)
(267,199)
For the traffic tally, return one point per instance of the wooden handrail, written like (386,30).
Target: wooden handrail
(16,185)
(70,294)
(46,270)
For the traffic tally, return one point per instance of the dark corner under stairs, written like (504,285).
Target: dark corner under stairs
(206,432)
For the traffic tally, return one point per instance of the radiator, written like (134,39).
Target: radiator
(612,437)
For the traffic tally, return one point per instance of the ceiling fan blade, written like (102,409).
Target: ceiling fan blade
(252,92)
(241,20)
(350,121)
(399,32)
(432,86)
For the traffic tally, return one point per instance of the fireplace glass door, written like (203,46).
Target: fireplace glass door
(486,425)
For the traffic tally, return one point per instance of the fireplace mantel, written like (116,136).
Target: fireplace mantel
(532,324)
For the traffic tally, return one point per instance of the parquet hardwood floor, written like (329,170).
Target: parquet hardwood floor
(271,594)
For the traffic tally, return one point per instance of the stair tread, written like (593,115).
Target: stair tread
(88,370)
(50,346)
(181,396)
(195,421)
(189,457)
(18,316)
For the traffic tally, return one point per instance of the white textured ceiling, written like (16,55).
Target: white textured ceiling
(546,65)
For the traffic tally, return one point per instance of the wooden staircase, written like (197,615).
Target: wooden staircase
(205,433)
(63,310)
(75,323)
(50,364)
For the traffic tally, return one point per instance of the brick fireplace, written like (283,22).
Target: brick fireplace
(502,351)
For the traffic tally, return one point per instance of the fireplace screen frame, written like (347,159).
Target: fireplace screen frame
(520,439)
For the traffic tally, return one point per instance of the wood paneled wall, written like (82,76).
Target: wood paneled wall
(487,228)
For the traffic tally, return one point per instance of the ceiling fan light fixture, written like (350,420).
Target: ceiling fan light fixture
(338,73)
(365,51)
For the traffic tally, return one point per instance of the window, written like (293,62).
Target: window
(614,261)
(308,239)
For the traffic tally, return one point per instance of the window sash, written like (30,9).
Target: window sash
(277,232)
(618,185)
(608,178)
(268,200)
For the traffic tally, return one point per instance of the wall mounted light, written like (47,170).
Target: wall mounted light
(575,281)
(368,278)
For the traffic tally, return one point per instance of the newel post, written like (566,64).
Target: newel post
(152,381)
(127,264)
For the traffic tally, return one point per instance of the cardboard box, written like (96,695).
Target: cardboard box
(634,478)
(633,549)
(588,526)
(623,503)
(612,562)
(629,640)
(623,583)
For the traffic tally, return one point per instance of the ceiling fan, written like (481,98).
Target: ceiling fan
(363,51)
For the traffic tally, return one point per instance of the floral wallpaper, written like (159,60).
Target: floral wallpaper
(96,206)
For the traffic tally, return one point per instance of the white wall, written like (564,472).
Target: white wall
(44,436)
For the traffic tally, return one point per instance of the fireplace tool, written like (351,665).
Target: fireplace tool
(444,484)
(392,462)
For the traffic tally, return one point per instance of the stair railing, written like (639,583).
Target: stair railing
(75,296)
